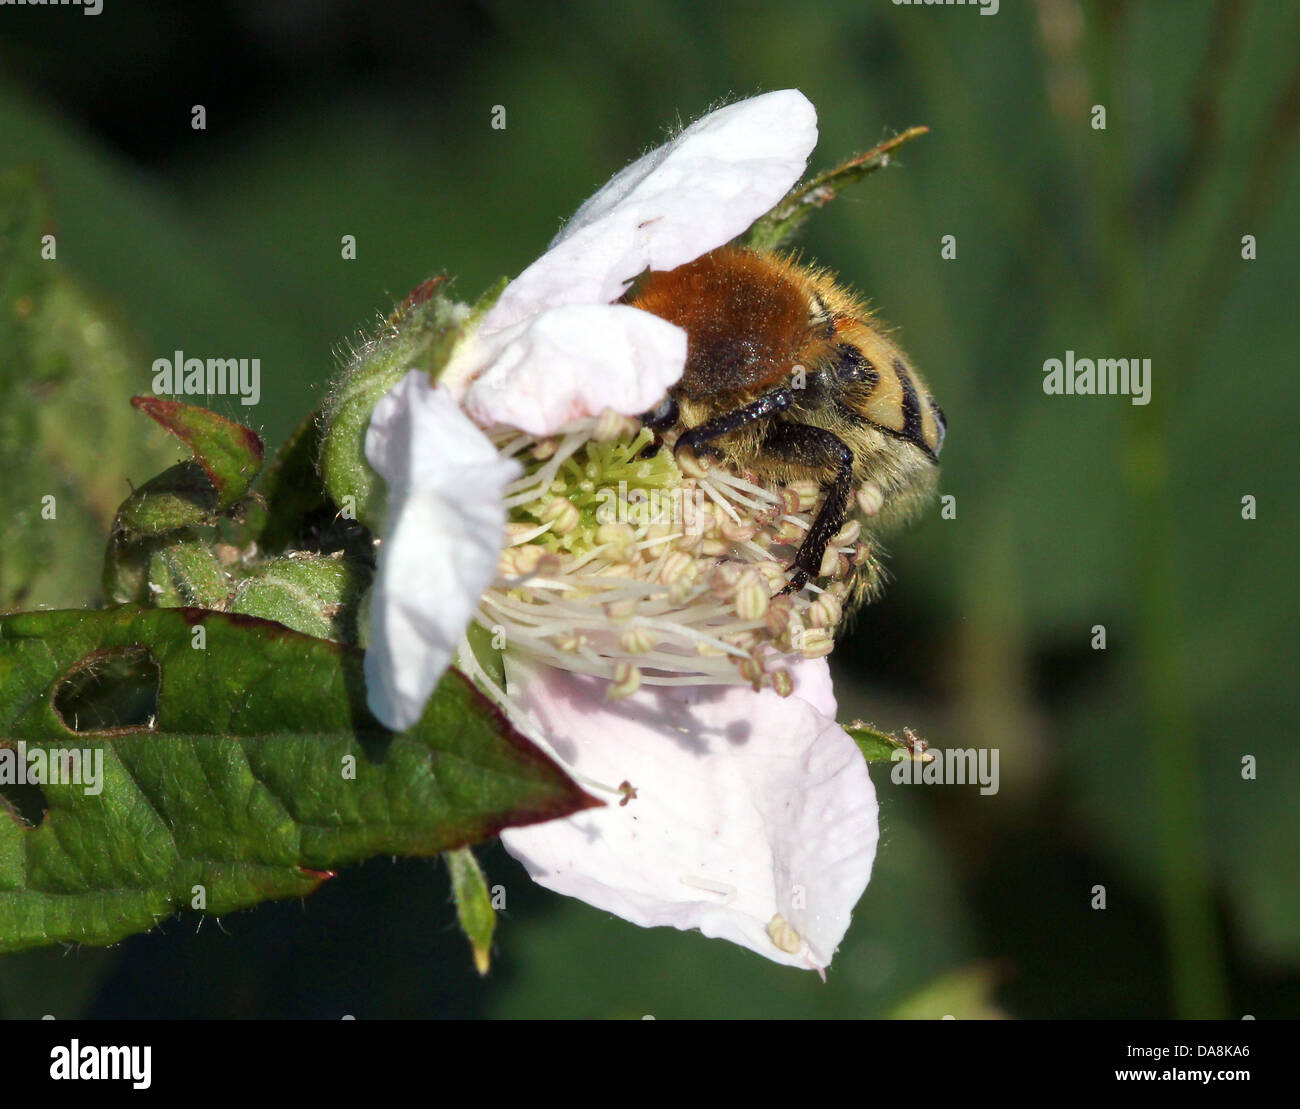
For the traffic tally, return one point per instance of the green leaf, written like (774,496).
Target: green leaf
(780,224)
(229,453)
(239,764)
(478,920)
(878,746)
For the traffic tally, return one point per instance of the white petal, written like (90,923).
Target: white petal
(683,199)
(567,363)
(748,805)
(441,542)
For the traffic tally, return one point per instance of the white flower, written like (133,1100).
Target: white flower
(554,347)
(754,818)
(657,664)
(446,525)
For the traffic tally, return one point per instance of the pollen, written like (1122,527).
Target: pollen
(752,597)
(642,572)
(825,611)
(783,935)
(627,680)
(562,515)
(871,498)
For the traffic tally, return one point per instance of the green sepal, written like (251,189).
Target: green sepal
(486,655)
(487,301)
(294,503)
(878,746)
(229,454)
(317,595)
(478,920)
(780,224)
(180,497)
(158,552)
(186,573)
(419,335)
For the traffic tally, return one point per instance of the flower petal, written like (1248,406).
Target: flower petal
(748,806)
(683,199)
(567,363)
(442,541)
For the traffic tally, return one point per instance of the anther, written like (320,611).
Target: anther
(871,498)
(627,680)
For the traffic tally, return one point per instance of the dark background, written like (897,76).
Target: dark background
(1119,767)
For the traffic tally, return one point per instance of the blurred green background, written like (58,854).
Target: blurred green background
(1119,767)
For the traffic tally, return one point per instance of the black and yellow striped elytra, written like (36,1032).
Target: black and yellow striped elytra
(893,402)
(789,376)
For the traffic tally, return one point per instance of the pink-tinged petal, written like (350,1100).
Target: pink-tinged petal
(683,199)
(748,806)
(568,363)
(816,687)
(441,543)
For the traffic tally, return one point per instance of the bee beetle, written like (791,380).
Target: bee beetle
(790,377)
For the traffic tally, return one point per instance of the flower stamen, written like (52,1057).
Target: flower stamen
(654,571)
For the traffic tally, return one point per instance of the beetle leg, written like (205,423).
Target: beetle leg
(662,416)
(766,406)
(824,452)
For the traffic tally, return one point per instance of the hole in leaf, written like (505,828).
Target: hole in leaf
(26,803)
(110,690)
